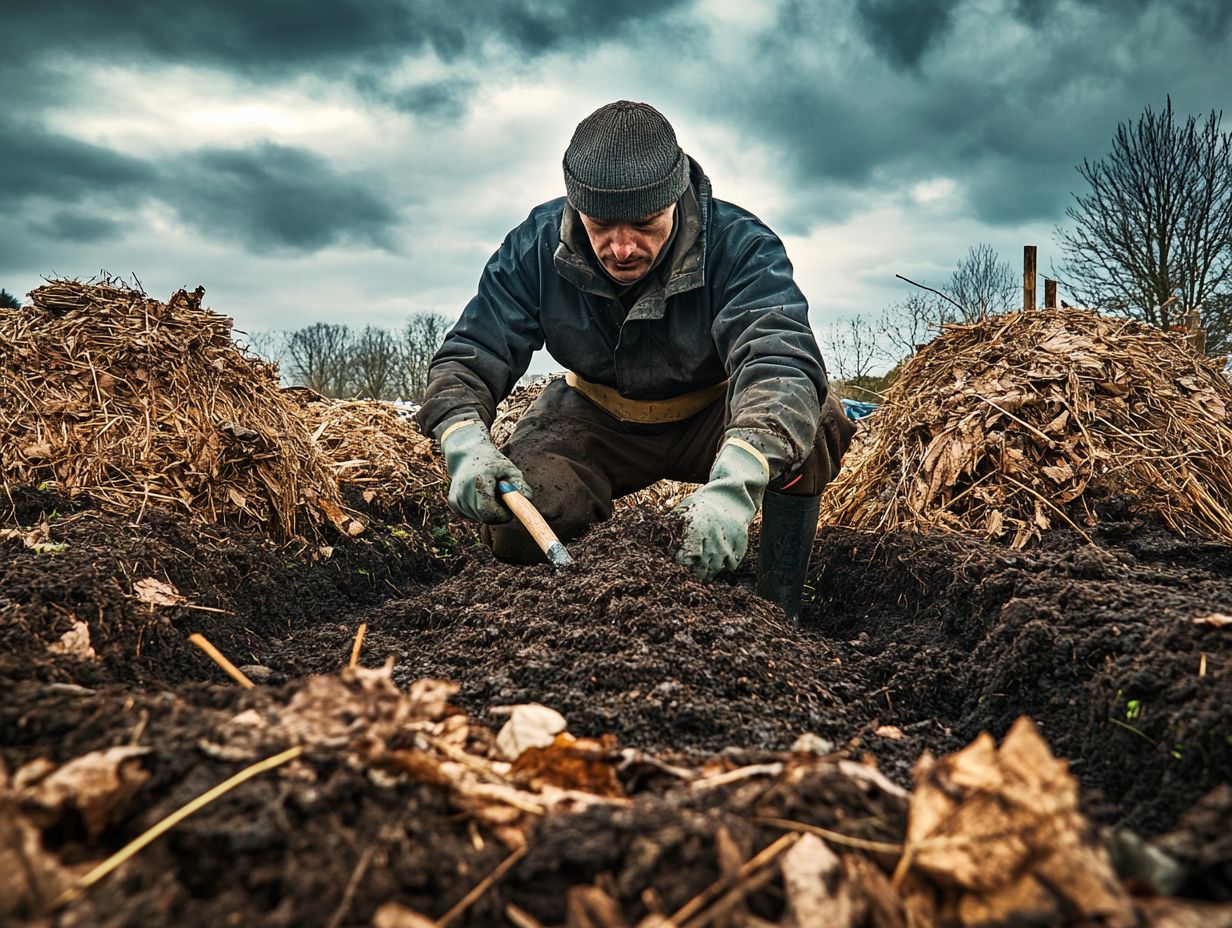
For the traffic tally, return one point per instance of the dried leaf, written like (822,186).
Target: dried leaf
(30,877)
(893,732)
(75,643)
(158,592)
(814,886)
(571,763)
(1214,619)
(1060,472)
(1001,827)
(98,785)
(529,726)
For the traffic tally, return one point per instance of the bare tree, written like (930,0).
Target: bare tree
(850,347)
(982,284)
(318,357)
(269,344)
(374,365)
(907,325)
(421,338)
(1156,223)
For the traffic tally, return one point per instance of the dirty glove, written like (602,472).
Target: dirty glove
(475,466)
(717,514)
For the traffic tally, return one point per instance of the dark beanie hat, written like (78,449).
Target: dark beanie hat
(623,163)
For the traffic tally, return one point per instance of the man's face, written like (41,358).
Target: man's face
(628,249)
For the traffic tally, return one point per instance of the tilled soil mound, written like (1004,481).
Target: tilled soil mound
(624,641)
(916,643)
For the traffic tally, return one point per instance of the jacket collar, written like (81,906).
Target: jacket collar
(688,259)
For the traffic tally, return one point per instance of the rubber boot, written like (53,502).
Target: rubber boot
(788,527)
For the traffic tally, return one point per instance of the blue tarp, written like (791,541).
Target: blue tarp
(857,410)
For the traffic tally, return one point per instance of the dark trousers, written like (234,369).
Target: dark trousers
(578,459)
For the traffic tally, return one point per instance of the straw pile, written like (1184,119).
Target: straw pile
(1007,427)
(371,446)
(135,403)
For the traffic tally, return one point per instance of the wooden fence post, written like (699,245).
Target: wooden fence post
(1050,293)
(1028,277)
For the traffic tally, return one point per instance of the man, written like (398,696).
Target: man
(689,354)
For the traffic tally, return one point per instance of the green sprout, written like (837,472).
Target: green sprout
(1133,709)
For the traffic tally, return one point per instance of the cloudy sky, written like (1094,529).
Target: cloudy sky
(358,160)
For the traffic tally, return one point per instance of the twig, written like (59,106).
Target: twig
(759,860)
(348,894)
(207,609)
(359,643)
(740,773)
(1050,505)
(834,837)
(732,898)
(151,834)
(482,887)
(217,657)
(938,292)
(521,918)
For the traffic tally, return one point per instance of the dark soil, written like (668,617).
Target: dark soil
(913,643)
(244,590)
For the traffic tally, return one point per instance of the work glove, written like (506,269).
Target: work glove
(475,467)
(717,515)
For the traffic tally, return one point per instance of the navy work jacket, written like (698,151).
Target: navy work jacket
(727,308)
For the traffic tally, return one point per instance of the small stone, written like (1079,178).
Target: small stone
(258,673)
(809,743)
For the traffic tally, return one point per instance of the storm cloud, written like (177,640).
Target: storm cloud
(271,197)
(384,146)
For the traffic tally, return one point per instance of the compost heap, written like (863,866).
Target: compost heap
(1006,427)
(374,449)
(109,393)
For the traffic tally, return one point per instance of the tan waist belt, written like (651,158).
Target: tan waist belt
(646,412)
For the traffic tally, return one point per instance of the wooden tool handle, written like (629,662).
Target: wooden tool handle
(534,523)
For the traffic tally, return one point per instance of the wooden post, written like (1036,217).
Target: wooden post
(1195,333)
(1050,293)
(1028,277)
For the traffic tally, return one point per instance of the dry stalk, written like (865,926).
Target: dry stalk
(459,909)
(153,833)
(767,855)
(359,643)
(221,660)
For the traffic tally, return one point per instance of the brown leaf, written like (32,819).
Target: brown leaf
(30,877)
(814,886)
(1061,472)
(1001,827)
(98,785)
(571,763)
(75,643)
(158,592)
